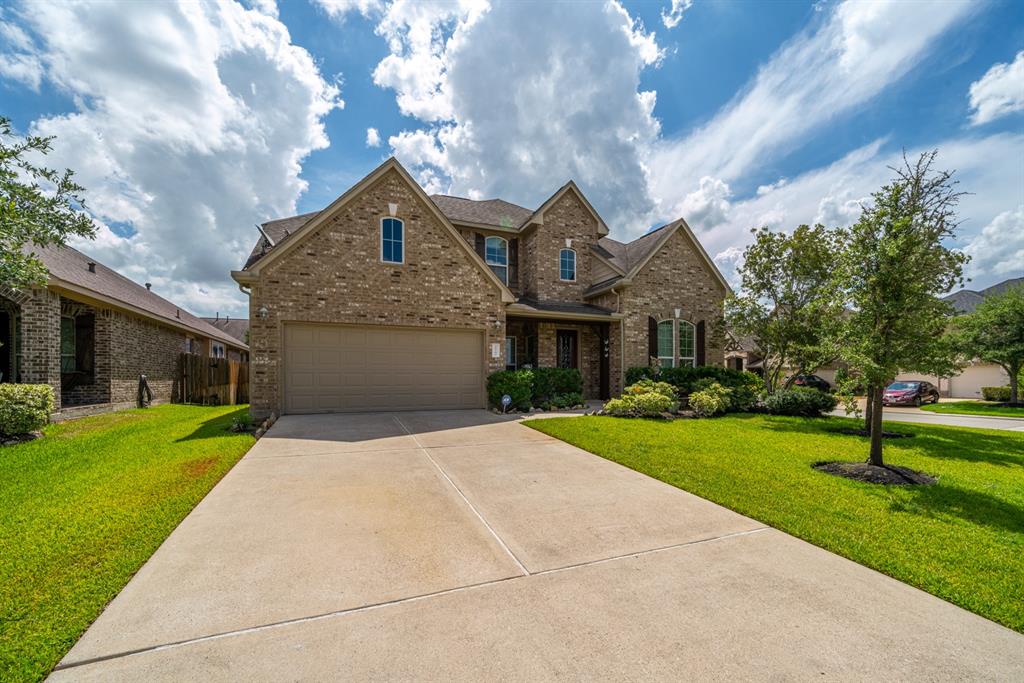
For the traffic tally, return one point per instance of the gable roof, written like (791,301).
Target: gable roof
(278,231)
(234,327)
(538,215)
(966,300)
(276,251)
(69,270)
(485,212)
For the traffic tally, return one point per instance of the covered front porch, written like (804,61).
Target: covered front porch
(566,335)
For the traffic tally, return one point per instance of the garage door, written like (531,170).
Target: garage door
(352,368)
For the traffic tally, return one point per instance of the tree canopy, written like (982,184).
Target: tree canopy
(994,333)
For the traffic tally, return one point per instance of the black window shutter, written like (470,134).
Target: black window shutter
(479,244)
(513,261)
(701,335)
(652,337)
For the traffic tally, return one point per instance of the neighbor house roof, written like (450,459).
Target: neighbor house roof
(235,327)
(966,300)
(69,270)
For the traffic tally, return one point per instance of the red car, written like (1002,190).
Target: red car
(910,393)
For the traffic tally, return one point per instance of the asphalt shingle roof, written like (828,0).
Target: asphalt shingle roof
(496,212)
(234,327)
(966,300)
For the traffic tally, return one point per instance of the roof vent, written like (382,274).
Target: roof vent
(92,266)
(177,313)
(149,286)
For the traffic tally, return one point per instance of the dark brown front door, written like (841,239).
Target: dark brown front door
(566,349)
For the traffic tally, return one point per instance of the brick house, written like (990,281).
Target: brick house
(91,332)
(393,299)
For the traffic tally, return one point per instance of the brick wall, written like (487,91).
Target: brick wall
(96,390)
(539,251)
(336,275)
(589,359)
(142,347)
(40,340)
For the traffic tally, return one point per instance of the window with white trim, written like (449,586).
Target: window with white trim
(567,265)
(687,344)
(496,256)
(510,353)
(666,352)
(392,240)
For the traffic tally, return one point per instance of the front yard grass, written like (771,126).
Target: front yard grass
(961,539)
(974,408)
(84,507)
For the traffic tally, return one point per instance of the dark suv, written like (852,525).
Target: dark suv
(910,393)
(812,381)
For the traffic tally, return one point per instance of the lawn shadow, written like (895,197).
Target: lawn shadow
(217,427)
(975,507)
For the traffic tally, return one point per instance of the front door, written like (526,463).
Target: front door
(566,355)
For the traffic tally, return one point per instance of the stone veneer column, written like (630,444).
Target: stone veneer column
(40,341)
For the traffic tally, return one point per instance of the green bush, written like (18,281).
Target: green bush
(549,382)
(650,404)
(569,400)
(800,401)
(1000,394)
(745,387)
(710,401)
(24,407)
(518,384)
(646,386)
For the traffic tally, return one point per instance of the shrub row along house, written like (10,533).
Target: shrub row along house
(91,332)
(393,299)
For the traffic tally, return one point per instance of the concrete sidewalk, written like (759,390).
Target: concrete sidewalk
(465,546)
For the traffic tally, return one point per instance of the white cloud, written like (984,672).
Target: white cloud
(999,92)
(372,137)
(821,74)
(997,252)
(191,124)
(708,206)
(337,9)
(674,15)
(20,63)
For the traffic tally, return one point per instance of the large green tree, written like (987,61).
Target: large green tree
(789,302)
(994,332)
(38,206)
(894,268)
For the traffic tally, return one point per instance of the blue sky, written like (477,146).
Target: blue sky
(189,123)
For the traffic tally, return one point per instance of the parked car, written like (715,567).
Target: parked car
(910,393)
(812,381)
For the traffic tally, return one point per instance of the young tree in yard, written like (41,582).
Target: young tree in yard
(894,268)
(38,206)
(994,332)
(789,302)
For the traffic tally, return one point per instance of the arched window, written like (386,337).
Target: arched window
(567,265)
(496,255)
(687,344)
(666,354)
(392,240)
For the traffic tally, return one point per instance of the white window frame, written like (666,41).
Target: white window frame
(688,361)
(400,222)
(217,350)
(575,264)
(671,358)
(514,364)
(494,264)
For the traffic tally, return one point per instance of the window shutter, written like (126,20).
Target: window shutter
(479,244)
(652,337)
(513,261)
(701,356)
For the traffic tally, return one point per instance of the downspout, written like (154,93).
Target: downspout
(622,339)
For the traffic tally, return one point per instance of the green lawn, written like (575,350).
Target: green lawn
(84,507)
(974,408)
(961,539)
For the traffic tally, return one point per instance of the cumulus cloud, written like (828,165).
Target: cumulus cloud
(19,62)
(674,14)
(997,252)
(372,137)
(999,92)
(707,206)
(183,136)
(337,9)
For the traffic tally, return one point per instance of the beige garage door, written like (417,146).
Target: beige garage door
(351,368)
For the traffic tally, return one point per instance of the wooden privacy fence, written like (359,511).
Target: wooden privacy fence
(211,381)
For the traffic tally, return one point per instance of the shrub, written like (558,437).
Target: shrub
(24,407)
(712,400)
(518,384)
(800,401)
(646,386)
(650,404)
(569,400)
(746,387)
(549,382)
(1000,394)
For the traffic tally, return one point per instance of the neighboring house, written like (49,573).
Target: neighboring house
(391,299)
(91,332)
(741,353)
(236,328)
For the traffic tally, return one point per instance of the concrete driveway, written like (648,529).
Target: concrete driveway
(463,545)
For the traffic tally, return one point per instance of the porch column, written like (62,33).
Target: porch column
(40,341)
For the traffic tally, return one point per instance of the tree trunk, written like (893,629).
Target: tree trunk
(1014,392)
(868,405)
(875,458)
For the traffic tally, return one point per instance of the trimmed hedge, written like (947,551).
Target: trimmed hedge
(801,402)
(540,387)
(24,407)
(999,394)
(710,401)
(745,387)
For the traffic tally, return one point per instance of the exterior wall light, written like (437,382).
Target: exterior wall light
(262,313)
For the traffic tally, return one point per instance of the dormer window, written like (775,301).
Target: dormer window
(567,265)
(496,255)
(392,241)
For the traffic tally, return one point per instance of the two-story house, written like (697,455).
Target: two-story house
(390,299)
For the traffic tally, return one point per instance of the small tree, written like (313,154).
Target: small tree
(994,332)
(38,206)
(895,267)
(789,302)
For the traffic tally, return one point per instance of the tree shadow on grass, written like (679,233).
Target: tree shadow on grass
(976,507)
(217,427)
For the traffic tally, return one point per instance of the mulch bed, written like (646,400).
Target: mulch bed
(892,475)
(851,431)
(15,439)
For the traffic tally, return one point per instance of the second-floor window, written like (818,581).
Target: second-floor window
(496,253)
(567,265)
(392,240)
